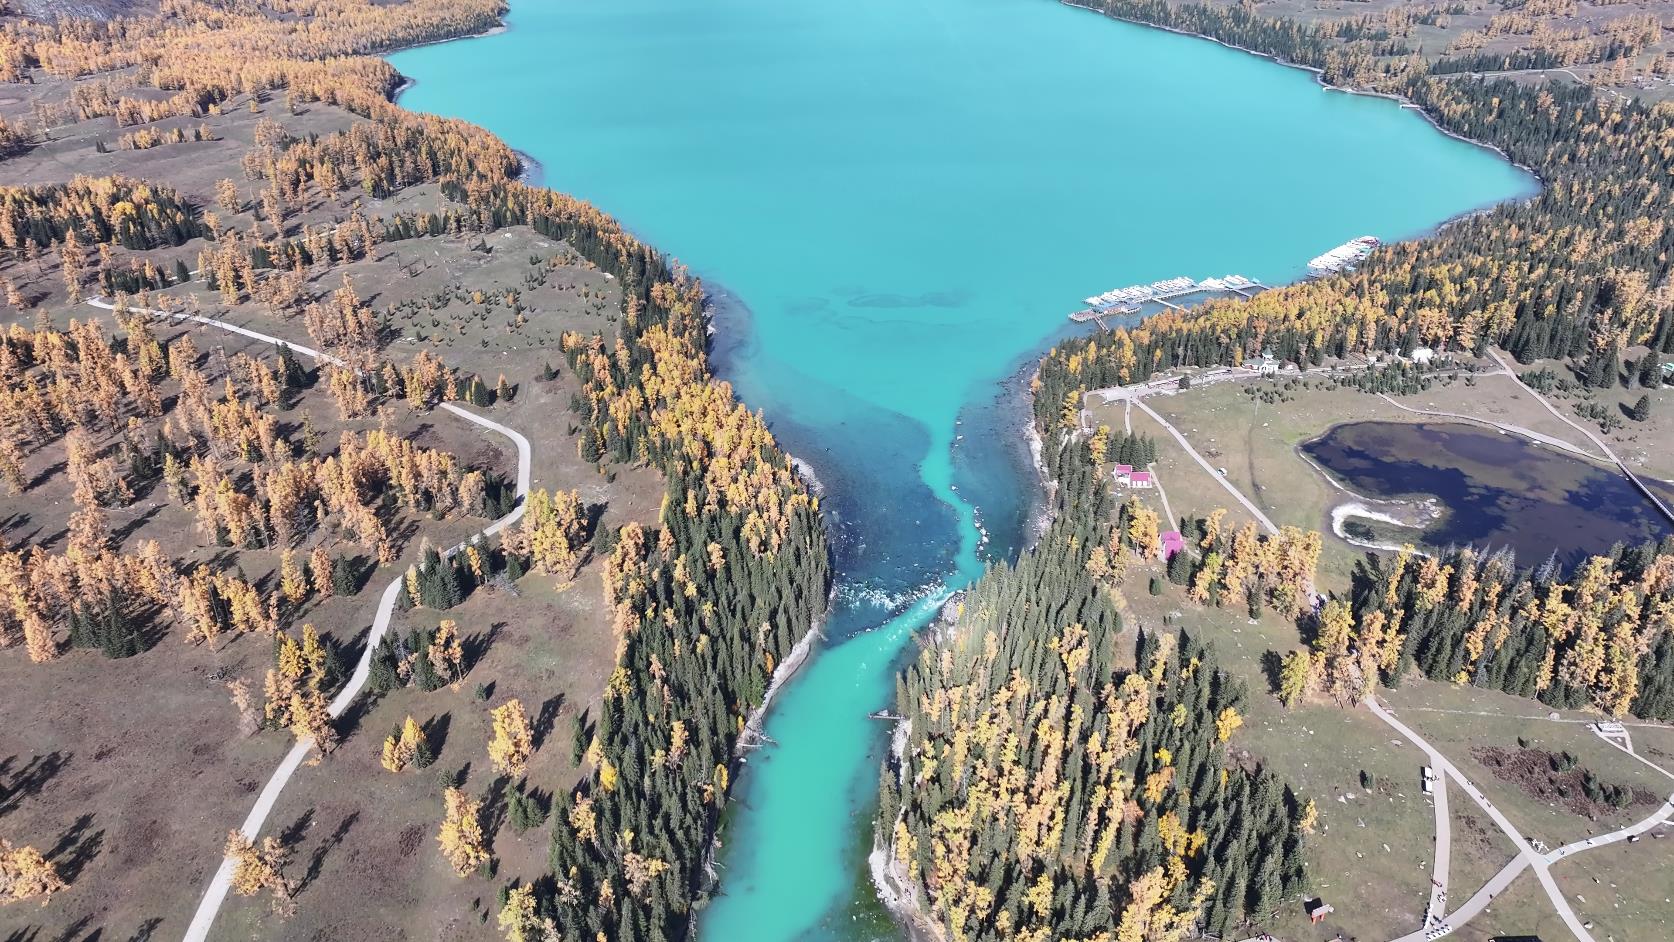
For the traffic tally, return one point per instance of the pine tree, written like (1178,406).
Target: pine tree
(345,578)
(1650,371)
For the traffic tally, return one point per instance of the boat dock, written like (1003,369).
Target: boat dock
(1342,258)
(1132,299)
(1121,302)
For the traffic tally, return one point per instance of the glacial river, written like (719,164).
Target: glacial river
(897,204)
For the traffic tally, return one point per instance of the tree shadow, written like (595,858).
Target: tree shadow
(29,779)
(402,531)
(455,779)
(581,733)
(48,473)
(146,930)
(1271,668)
(292,834)
(436,733)
(546,718)
(493,814)
(222,559)
(76,848)
(73,932)
(593,516)
(120,534)
(349,721)
(478,644)
(317,859)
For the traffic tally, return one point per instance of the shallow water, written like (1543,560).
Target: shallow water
(903,201)
(1499,491)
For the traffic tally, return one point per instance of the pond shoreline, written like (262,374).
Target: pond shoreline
(1467,485)
(776,899)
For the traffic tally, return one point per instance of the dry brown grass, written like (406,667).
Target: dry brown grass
(129,773)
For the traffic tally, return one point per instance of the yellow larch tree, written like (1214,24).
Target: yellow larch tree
(258,868)
(26,875)
(446,652)
(519,920)
(513,740)
(293,584)
(403,749)
(461,834)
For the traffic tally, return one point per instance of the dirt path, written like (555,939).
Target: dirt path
(204,918)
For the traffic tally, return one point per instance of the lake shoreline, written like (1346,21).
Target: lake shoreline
(1037,516)
(1319,76)
(889,880)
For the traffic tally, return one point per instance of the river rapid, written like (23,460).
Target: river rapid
(896,205)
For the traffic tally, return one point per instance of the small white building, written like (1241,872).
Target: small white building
(1423,355)
(1268,366)
(1141,480)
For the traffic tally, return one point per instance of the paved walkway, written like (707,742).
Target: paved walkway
(204,918)
(1644,488)
(1217,475)
(1438,922)
(1527,853)
(1528,433)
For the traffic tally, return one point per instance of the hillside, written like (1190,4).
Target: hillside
(273,347)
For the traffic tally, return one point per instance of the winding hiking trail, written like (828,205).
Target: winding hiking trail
(1213,471)
(1436,924)
(204,918)
(1634,479)
(1444,836)
(1437,921)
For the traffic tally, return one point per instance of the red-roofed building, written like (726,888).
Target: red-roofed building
(1172,542)
(1140,479)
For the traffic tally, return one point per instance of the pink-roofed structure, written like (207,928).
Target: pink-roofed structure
(1140,479)
(1172,542)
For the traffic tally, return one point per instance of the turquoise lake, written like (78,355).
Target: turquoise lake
(896,205)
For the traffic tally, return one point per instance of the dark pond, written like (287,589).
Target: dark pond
(1497,490)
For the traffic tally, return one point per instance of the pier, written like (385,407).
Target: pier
(1132,299)
(1344,257)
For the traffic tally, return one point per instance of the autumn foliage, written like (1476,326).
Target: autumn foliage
(26,875)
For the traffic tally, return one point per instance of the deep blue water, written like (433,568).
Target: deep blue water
(902,202)
(1499,491)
